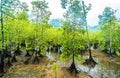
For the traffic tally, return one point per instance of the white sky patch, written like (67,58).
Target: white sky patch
(56,9)
(92,17)
(98,7)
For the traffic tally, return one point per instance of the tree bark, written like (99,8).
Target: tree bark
(27,54)
(110,38)
(36,59)
(9,64)
(89,61)
(73,67)
(14,59)
(2,32)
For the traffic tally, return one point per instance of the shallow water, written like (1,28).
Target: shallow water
(101,70)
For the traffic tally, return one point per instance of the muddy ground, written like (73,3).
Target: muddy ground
(52,69)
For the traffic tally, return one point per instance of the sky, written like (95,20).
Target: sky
(92,17)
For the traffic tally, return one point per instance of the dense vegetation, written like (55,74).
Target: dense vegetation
(19,32)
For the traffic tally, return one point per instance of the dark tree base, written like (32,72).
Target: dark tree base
(72,68)
(36,60)
(17,52)
(8,64)
(1,75)
(40,55)
(13,59)
(27,54)
(111,54)
(90,62)
(1,69)
(27,61)
(2,72)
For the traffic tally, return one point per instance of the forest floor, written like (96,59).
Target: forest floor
(106,58)
(47,68)
(43,70)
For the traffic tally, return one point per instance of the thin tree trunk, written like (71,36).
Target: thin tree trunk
(73,59)
(110,38)
(88,41)
(87,35)
(73,67)
(90,60)
(2,32)
(9,64)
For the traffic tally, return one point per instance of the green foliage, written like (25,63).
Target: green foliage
(41,11)
(118,54)
(109,29)
(73,26)
(70,36)
(54,67)
(24,6)
(64,3)
(79,58)
(107,15)
(74,13)
(22,15)
(118,63)
(105,33)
